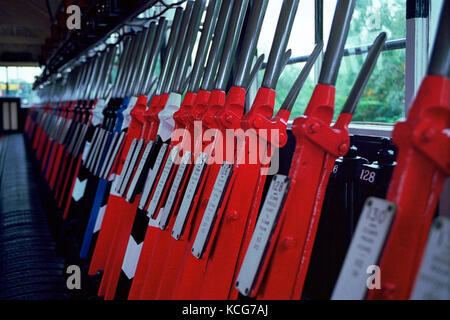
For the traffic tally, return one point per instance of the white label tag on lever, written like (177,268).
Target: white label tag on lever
(365,249)
(210,216)
(189,195)
(168,207)
(267,221)
(162,181)
(433,279)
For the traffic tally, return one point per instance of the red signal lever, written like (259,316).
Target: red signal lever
(292,238)
(423,166)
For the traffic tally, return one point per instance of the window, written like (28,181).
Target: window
(384,97)
(17,82)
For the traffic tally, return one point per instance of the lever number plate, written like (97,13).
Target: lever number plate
(162,181)
(168,207)
(365,248)
(266,224)
(210,216)
(433,280)
(191,190)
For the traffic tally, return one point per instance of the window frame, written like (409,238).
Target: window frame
(420,24)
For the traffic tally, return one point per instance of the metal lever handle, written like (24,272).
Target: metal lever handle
(217,45)
(175,28)
(186,82)
(126,45)
(287,57)
(280,41)
(212,14)
(250,41)
(229,51)
(364,75)
(289,102)
(140,76)
(178,47)
(256,68)
(134,63)
(153,57)
(336,42)
(104,87)
(440,58)
(188,45)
